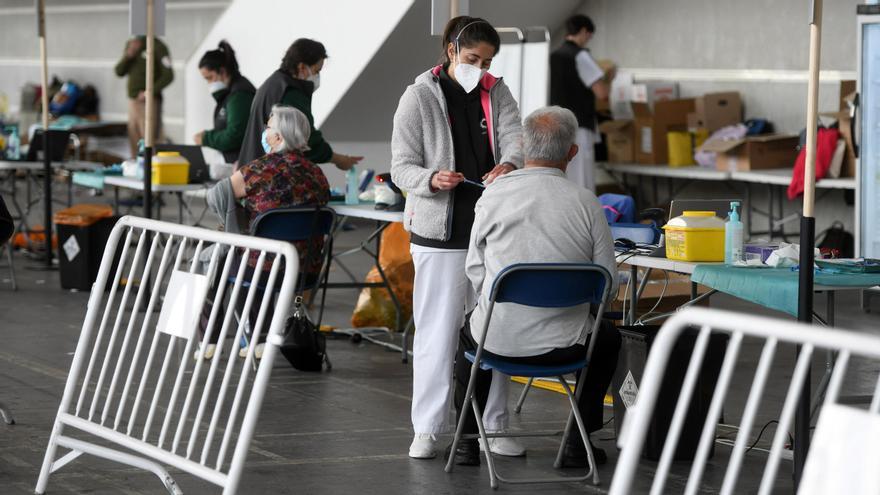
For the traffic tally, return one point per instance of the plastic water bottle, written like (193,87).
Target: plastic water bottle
(733,236)
(351,186)
(13,148)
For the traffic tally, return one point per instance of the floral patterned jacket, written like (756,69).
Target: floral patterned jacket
(281,180)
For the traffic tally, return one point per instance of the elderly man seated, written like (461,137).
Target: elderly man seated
(537,215)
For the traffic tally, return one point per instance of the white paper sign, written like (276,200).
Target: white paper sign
(71,248)
(629,390)
(183,304)
(647,140)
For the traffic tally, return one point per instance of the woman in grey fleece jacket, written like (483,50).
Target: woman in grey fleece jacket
(455,126)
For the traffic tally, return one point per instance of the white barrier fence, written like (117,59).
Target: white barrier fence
(135,383)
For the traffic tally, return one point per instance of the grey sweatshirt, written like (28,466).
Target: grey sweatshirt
(535,215)
(421,144)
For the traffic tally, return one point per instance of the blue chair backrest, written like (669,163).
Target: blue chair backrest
(295,223)
(552,285)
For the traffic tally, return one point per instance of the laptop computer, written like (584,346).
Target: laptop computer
(58,141)
(198,169)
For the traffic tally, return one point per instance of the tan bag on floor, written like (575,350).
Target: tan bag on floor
(374,307)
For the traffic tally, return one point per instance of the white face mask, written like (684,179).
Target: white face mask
(314,78)
(468,76)
(215,86)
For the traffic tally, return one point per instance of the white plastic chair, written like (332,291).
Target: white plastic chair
(773,332)
(132,387)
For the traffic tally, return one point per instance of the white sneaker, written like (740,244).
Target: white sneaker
(209,352)
(258,352)
(506,446)
(423,446)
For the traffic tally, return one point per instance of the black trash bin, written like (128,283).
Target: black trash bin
(634,351)
(83,231)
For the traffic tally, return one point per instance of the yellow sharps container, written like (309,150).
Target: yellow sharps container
(170,168)
(695,236)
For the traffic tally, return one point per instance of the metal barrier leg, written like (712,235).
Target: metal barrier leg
(7,416)
(404,342)
(11,266)
(122,458)
(46,469)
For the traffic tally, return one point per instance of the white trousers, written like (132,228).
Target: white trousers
(441,293)
(582,168)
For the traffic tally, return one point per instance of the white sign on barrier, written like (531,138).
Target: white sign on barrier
(183,304)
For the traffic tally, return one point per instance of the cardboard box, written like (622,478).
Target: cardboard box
(651,127)
(694,121)
(717,110)
(652,92)
(620,140)
(624,92)
(754,152)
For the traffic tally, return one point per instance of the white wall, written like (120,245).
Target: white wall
(260,31)
(756,47)
(85,40)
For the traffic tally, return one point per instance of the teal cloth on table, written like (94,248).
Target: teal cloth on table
(774,288)
(95,179)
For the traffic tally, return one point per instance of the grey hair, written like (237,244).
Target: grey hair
(548,134)
(293,127)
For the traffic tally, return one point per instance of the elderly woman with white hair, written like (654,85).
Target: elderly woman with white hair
(281,178)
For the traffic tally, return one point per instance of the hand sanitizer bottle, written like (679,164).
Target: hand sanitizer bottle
(351,187)
(733,236)
(13,148)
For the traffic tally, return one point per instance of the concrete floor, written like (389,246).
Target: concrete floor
(344,431)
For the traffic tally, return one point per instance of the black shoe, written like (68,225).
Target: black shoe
(467,453)
(575,456)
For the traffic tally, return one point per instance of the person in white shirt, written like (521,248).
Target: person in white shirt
(576,81)
(537,215)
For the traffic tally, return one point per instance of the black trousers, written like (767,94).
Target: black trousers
(599,374)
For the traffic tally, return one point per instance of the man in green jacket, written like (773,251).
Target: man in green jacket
(134,64)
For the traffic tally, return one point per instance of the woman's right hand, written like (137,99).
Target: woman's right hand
(444,180)
(345,162)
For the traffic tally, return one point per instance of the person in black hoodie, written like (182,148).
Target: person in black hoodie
(576,81)
(292,85)
(234,95)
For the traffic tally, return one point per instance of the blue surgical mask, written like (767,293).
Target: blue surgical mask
(265,142)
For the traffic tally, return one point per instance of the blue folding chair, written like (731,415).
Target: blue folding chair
(300,223)
(539,285)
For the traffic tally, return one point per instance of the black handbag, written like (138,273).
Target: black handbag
(304,346)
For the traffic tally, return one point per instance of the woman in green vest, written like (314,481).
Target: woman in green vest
(234,94)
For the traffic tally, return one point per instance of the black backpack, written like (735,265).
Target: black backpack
(837,238)
(304,346)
